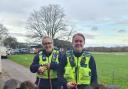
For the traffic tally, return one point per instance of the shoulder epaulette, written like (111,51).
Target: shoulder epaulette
(56,51)
(69,53)
(40,53)
(55,48)
(86,53)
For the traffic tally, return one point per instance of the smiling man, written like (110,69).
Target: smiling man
(77,69)
(45,65)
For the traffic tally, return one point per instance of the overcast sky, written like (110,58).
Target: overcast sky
(104,22)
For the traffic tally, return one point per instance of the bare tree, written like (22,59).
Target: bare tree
(3,31)
(49,20)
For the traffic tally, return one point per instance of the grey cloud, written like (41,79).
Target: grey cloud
(89,36)
(94,28)
(117,3)
(122,31)
(21,6)
(76,9)
(125,40)
(15,6)
(17,34)
(95,9)
(125,22)
(21,34)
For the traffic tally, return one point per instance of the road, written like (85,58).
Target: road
(13,70)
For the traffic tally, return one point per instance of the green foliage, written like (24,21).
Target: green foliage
(3,31)
(62,44)
(10,42)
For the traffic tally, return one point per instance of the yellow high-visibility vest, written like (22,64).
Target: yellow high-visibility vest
(77,68)
(45,60)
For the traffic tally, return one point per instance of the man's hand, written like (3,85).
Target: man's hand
(70,85)
(42,69)
(48,66)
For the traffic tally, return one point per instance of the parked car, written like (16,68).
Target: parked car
(9,51)
(14,51)
(20,51)
(3,52)
(17,51)
(24,50)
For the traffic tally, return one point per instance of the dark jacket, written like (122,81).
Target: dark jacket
(92,65)
(53,65)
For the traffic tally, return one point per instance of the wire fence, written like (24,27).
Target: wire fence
(113,77)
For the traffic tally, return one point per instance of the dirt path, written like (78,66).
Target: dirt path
(13,70)
(3,77)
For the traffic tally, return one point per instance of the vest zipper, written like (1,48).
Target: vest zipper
(77,71)
(48,70)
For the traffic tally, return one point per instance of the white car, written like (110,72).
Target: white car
(3,51)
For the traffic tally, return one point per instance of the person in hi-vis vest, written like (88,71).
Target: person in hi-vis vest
(45,65)
(77,70)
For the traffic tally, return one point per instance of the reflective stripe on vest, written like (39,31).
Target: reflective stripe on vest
(82,73)
(45,60)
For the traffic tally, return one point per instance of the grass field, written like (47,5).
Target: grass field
(23,59)
(112,67)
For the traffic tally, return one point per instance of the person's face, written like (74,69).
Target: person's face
(78,43)
(47,44)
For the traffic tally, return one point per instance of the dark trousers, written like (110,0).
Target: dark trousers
(45,84)
(82,87)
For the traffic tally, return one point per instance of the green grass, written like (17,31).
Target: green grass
(23,59)
(112,68)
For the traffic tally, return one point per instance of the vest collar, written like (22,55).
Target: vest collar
(46,53)
(78,54)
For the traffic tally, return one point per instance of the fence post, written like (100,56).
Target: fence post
(113,76)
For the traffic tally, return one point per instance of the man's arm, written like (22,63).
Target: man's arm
(92,66)
(60,73)
(55,65)
(35,64)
